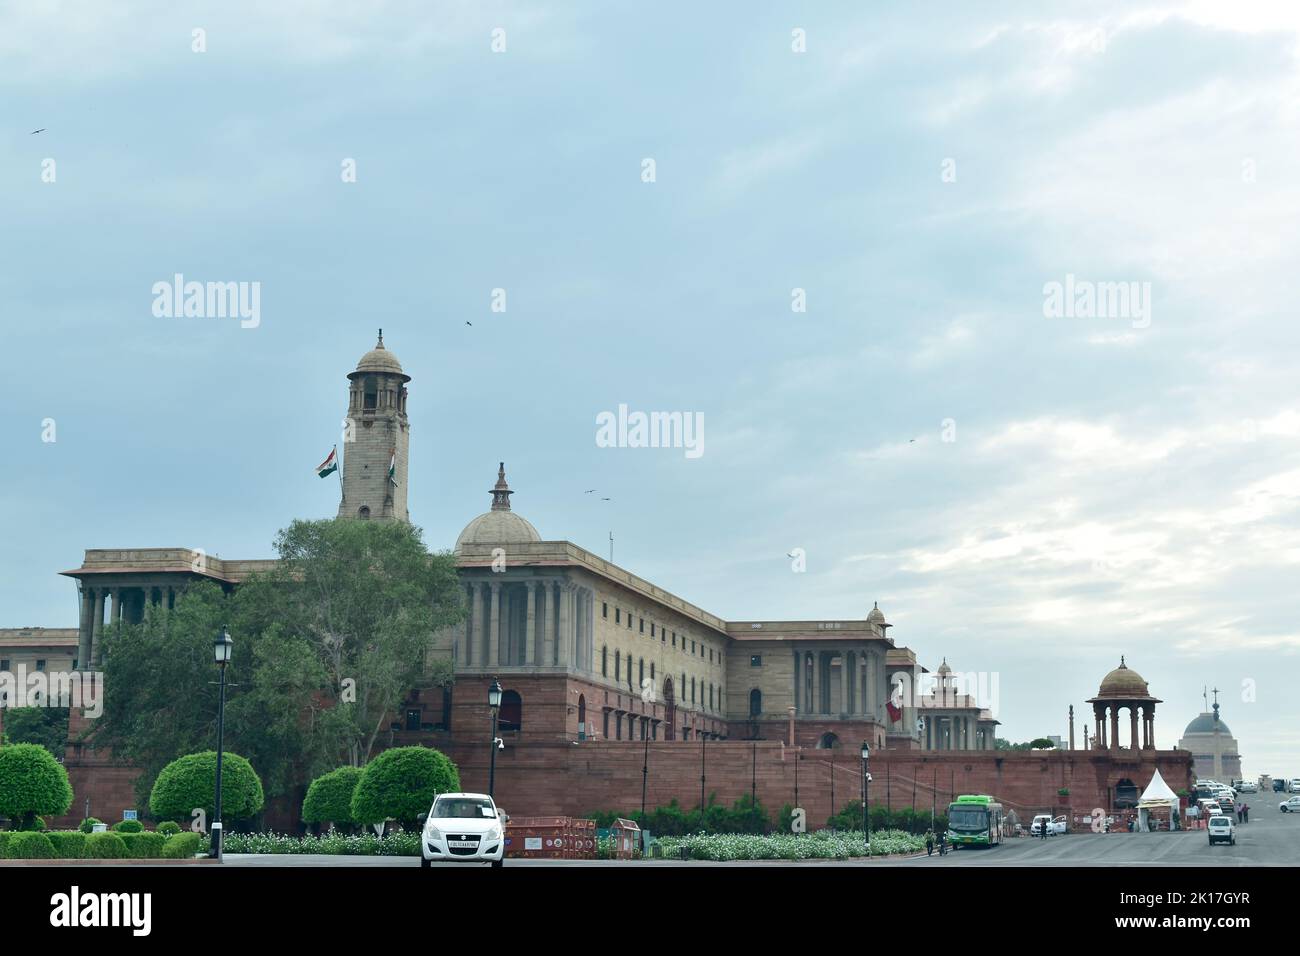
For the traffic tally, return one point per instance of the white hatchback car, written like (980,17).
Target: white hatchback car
(1290,805)
(1222,830)
(463,828)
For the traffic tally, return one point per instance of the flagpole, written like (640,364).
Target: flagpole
(340,471)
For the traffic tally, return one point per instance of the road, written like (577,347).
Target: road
(1271,838)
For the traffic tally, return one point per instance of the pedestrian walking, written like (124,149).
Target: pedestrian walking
(929,843)
(943,843)
(1245,813)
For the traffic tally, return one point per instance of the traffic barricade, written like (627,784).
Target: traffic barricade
(627,839)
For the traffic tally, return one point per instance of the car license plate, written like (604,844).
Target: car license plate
(462,844)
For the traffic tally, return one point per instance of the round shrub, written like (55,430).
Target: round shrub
(68,844)
(32,824)
(105,846)
(128,826)
(329,798)
(88,824)
(190,782)
(168,828)
(401,783)
(32,783)
(181,846)
(30,845)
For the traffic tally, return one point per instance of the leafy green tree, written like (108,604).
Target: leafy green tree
(329,798)
(401,783)
(191,782)
(46,726)
(32,784)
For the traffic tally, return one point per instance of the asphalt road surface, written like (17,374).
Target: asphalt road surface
(1271,838)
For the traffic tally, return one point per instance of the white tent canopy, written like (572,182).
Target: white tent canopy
(1156,796)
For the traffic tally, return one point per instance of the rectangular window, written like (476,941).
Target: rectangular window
(674,638)
(756,660)
(604,609)
(642,628)
(40,664)
(4,664)
(618,616)
(629,620)
(652,628)
(692,648)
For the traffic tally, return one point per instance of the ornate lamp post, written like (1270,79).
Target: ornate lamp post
(494,702)
(222,648)
(645,773)
(866,777)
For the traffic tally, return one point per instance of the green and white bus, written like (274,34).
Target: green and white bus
(975,821)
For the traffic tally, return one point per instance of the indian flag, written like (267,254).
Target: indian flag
(392,467)
(329,465)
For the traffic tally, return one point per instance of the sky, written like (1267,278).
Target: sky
(828,231)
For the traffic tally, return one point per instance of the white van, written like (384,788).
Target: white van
(1222,830)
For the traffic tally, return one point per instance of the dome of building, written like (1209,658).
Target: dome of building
(380,360)
(875,615)
(944,669)
(1123,682)
(499,525)
(1206,724)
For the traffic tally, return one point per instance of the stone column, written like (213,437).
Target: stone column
(117,605)
(96,627)
(547,607)
(530,625)
(794,686)
(1133,727)
(564,639)
(790,711)
(816,683)
(1114,727)
(473,655)
(494,626)
(844,683)
(83,630)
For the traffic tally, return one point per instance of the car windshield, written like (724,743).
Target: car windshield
(460,808)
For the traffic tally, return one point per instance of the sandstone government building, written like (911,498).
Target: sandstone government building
(609,678)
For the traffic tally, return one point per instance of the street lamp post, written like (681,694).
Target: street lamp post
(494,702)
(645,773)
(866,777)
(221,652)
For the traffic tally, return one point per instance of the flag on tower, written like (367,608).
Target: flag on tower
(392,467)
(330,464)
(895,703)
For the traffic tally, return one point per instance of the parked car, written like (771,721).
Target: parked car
(1294,786)
(1247,787)
(1056,826)
(463,828)
(1279,785)
(1290,805)
(1209,808)
(1222,830)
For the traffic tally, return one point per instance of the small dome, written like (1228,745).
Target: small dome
(1123,682)
(380,360)
(500,525)
(944,669)
(1206,724)
(875,616)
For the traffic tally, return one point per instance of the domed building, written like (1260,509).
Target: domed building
(1124,689)
(1213,747)
(499,525)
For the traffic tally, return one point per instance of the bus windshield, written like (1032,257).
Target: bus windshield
(968,818)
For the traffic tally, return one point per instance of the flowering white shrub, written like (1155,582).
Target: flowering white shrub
(820,845)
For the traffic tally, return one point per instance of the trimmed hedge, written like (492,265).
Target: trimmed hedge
(168,828)
(144,846)
(4,841)
(29,845)
(105,846)
(181,846)
(127,826)
(68,844)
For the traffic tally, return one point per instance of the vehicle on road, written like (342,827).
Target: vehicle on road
(1056,826)
(463,828)
(1279,785)
(1209,808)
(1222,830)
(1294,785)
(975,820)
(1247,787)
(1291,805)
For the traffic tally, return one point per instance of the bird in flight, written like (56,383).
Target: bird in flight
(35,131)
(589,491)
(469,323)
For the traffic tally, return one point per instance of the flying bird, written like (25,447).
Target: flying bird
(35,131)
(589,491)
(469,323)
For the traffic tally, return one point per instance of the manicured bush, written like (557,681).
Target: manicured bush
(88,824)
(672,820)
(105,846)
(168,828)
(32,783)
(32,824)
(144,846)
(397,843)
(4,841)
(68,844)
(128,826)
(822,845)
(190,782)
(401,784)
(30,845)
(329,798)
(182,846)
